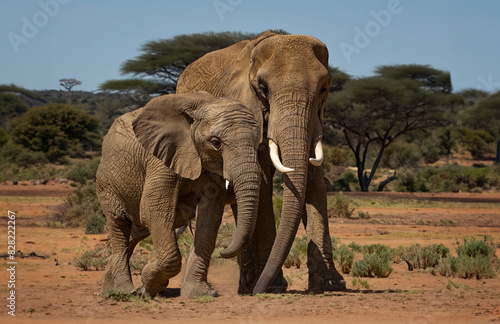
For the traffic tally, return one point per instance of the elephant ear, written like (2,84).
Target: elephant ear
(163,128)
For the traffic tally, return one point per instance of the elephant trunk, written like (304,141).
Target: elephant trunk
(295,145)
(246,185)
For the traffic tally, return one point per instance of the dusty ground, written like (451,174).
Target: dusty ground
(52,290)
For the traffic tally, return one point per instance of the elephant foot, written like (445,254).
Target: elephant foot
(279,285)
(111,285)
(319,283)
(336,282)
(195,290)
(144,293)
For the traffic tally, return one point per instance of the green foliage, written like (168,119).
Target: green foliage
(375,111)
(478,142)
(344,257)
(162,61)
(93,259)
(340,206)
(401,155)
(95,224)
(375,264)
(56,130)
(20,156)
(11,106)
(297,253)
(474,259)
(424,257)
(184,242)
(357,282)
(82,172)
(78,207)
(448,179)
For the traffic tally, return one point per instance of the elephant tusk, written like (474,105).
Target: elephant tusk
(276,159)
(227,184)
(318,152)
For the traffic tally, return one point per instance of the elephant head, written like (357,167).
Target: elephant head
(287,78)
(194,133)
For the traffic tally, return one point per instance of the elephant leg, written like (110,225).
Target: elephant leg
(158,205)
(322,272)
(138,234)
(208,219)
(117,277)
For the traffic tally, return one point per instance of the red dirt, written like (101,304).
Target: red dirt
(52,290)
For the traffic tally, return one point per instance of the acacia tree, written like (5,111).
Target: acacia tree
(69,83)
(373,112)
(161,62)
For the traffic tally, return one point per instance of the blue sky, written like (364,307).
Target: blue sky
(42,41)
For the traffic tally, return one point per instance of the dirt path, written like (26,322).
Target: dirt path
(53,290)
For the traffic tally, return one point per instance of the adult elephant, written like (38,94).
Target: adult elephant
(287,78)
(162,165)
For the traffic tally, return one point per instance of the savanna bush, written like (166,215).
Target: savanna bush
(340,206)
(376,264)
(424,257)
(474,259)
(298,253)
(344,257)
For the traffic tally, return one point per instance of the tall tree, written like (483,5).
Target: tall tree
(485,115)
(373,112)
(69,83)
(161,62)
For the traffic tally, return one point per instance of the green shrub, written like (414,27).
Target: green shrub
(474,260)
(184,242)
(401,155)
(423,257)
(93,259)
(344,257)
(297,253)
(340,206)
(95,224)
(78,207)
(375,264)
(355,247)
(82,172)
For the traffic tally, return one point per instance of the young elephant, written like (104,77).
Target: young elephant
(161,165)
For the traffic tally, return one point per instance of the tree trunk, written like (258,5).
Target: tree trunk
(497,158)
(387,181)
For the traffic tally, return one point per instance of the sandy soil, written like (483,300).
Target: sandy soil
(50,289)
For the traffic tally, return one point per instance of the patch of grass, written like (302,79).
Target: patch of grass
(423,257)
(204,299)
(344,257)
(184,242)
(340,206)
(376,264)
(94,259)
(297,253)
(447,222)
(358,282)
(474,259)
(364,215)
(451,284)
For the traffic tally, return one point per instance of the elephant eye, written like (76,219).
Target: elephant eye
(216,143)
(323,90)
(264,90)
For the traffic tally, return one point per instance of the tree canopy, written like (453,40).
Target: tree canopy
(69,83)
(372,112)
(56,130)
(161,62)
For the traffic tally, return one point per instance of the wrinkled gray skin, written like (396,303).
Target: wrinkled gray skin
(162,165)
(287,78)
